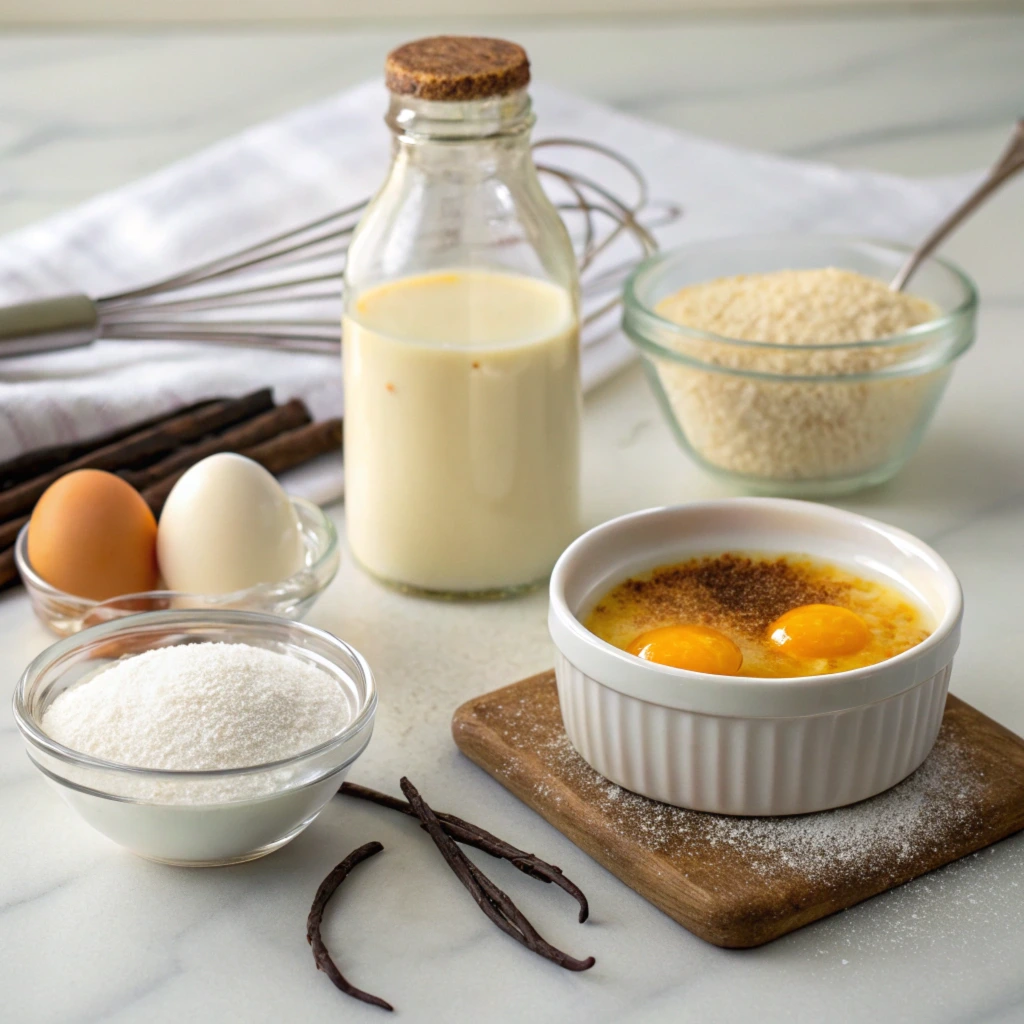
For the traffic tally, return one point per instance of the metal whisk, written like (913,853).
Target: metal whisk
(284,293)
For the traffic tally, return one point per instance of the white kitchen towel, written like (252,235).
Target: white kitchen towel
(328,155)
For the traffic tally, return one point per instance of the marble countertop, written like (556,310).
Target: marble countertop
(89,933)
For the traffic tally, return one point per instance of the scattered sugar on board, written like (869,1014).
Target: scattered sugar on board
(939,800)
(197,707)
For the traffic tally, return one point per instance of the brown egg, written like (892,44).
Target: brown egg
(91,534)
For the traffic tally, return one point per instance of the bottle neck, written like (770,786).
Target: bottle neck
(415,121)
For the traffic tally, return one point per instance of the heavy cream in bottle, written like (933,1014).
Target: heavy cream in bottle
(461,429)
(460,338)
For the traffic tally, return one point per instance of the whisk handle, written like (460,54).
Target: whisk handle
(48,325)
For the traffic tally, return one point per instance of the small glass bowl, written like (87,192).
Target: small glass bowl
(66,614)
(798,420)
(201,818)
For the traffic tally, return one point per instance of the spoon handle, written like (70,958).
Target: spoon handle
(1009,164)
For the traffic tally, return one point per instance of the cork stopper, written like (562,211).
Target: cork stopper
(456,68)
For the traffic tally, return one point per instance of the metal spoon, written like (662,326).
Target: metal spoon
(1009,164)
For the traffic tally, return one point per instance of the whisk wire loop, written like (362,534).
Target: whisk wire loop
(284,277)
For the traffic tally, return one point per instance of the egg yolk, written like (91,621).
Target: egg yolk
(820,631)
(696,648)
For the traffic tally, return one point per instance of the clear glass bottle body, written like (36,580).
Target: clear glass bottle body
(461,359)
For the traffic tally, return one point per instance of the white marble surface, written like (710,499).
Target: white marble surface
(88,933)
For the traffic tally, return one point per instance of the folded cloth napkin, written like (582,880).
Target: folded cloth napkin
(328,155)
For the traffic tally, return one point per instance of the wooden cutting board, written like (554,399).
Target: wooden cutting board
(741,882)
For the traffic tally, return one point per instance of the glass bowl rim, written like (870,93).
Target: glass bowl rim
(33,580)
(634,307)
(128,625)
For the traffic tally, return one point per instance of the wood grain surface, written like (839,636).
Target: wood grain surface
(740,882)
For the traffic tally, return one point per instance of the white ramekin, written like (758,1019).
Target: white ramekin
(737,745)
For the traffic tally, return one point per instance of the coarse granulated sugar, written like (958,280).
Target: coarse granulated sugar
(800,307)
(199,707)
(804,404)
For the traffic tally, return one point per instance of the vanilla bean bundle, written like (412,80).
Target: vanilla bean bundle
(473,835)
(491,900)
(447,830)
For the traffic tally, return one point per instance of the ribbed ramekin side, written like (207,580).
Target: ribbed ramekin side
(750,766)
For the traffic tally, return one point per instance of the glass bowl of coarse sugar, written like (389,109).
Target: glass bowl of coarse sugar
(788,365)
(197,738)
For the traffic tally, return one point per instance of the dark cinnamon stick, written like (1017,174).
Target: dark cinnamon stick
(8,570)
(9,531)
(316,914)
(249,434)
(298,446)
(42,460)
(150,442)
(469,834)
(279,454)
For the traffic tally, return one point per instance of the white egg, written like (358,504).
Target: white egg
(227,525)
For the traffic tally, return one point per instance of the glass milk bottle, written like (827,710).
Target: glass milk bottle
(461,338)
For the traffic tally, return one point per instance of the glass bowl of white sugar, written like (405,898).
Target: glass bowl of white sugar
(787,365)
(197,738)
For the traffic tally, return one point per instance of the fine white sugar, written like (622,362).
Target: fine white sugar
(197,707)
